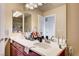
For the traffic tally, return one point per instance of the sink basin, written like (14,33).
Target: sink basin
(42,45)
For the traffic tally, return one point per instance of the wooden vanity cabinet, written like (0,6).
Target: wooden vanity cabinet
(62,53)
(31,53)
(16,49)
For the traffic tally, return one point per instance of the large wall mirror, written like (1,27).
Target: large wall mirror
(21,22)
(17,21)
(27,22)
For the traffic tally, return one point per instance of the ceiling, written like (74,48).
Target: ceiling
(47,6)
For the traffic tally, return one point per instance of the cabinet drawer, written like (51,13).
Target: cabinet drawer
(18,46)
(19,53)
(12,50)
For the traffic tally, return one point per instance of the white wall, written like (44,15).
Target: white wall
(73,27)
(2,29)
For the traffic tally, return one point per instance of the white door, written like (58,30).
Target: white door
(47,25)
(50,22)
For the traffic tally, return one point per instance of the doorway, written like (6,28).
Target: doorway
(48,25)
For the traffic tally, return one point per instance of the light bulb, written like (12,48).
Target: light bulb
(27,5)
(40,4)
(31,8)
(35,6)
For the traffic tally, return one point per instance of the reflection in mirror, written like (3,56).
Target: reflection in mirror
(17,21)
(27,22)
(50,25)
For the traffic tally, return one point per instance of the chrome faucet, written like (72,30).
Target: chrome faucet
(52,38)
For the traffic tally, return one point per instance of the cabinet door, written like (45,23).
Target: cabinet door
(31,53)
(18,46)
(19,53)
(13,50)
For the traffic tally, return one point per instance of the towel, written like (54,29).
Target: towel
(26,50)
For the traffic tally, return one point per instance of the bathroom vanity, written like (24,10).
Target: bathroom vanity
(23,47)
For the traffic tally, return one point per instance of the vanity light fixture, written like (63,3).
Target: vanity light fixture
(17,14)
(33,5)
